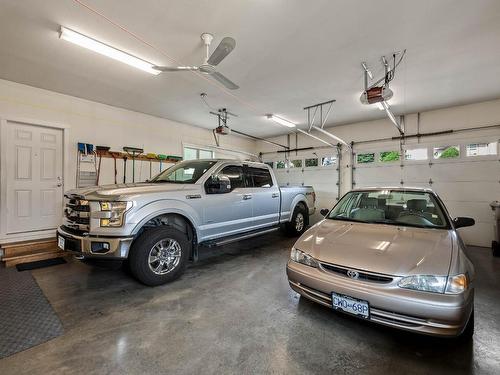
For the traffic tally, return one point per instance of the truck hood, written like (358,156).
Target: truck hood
(120,191)
(380,248)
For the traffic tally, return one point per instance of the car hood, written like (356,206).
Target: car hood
(380,248)
(120,191)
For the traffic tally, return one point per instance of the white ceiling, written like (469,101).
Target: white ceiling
(289,54)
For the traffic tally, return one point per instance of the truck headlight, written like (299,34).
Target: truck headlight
(116,213)
(300,257)
(435,284)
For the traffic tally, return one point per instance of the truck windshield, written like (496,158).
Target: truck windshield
(186,172)
(396,207)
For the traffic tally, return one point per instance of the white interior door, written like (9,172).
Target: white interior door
(34,172)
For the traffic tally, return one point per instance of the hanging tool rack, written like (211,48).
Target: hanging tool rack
(146,157)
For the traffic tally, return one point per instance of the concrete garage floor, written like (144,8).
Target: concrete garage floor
(234,313)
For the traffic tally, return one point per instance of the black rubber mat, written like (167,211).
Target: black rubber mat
(26,317)
(40,264)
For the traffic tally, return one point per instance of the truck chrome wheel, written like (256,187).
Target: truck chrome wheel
(164,256)
(299,222)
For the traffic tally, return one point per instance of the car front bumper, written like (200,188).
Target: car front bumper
(102,247)
(422,312)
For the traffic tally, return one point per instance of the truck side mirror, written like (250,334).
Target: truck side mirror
(218,184)
(324,211)
(460,222)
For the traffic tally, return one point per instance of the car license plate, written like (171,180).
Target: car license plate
(60,242)
(351,305)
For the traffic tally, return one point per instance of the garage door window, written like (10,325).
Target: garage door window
(313,162)
(326,161)
(280,164)
(191,153)
(296,163)
(365,158)
(481,149)
(270,163)
(416,154)
(446,152)
(388,156)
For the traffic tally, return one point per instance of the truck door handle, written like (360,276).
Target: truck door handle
(247,196)
(275,195)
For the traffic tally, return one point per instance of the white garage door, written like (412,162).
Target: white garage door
(319,170)
(466,175)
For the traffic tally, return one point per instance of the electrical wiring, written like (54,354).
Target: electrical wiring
(391,76)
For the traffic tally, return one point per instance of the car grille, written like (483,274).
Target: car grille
(362,275)
(77,214)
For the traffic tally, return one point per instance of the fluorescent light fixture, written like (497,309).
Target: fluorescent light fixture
(96,46)
(281,121)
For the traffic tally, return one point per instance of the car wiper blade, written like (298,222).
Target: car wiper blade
(342,218)
(399,223)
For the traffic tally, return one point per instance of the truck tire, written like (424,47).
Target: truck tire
(299,222)
(159,255)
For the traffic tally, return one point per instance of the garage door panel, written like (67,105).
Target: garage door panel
(479,211)
(466,171)
(467,191)
(367,175)
(480,234)
(416,173)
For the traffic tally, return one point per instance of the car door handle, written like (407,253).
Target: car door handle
(275,195)
(247,196)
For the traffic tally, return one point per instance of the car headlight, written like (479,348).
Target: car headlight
(116,213)
(300,257)
(435,284)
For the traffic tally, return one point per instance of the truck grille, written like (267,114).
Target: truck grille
(362,275)
(77,214)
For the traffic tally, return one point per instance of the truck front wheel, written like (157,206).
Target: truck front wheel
(159,255)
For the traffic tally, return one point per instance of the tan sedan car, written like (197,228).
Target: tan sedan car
(391,256)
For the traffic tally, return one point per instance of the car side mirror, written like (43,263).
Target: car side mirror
(324,211)
(460,222)
(218,184)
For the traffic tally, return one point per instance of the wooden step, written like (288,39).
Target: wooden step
(27,247)
(30,251)
(34,256)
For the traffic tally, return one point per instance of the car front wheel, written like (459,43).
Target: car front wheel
(159,255)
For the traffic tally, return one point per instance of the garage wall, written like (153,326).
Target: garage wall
(466,184)
(101,124)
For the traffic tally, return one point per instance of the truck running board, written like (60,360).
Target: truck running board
(238,237)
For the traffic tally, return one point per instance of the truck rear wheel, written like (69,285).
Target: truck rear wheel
(159,255)
(299,222)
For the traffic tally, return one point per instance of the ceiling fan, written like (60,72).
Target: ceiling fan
(211,61)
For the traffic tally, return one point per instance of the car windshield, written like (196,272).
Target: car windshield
(396,207)
(186,172)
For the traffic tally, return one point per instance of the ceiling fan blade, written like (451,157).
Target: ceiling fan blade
(174,68)
(225,81)
(223,49)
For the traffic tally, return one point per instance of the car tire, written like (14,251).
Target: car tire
(468,331)
(298,224)
(495,248)
(159,255)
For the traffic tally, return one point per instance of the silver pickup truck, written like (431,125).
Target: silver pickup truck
(159,225)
